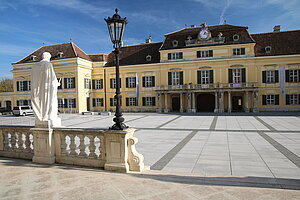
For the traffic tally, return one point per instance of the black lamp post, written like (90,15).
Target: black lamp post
(116,26)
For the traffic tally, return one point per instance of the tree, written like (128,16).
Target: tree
(6,85)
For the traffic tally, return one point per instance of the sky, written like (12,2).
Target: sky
(26,25)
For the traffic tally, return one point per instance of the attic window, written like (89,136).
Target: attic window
(175,43)
(60,54)
(268,49)
(148,58)
(236,38)
(34,58)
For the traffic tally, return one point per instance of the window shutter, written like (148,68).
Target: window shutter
(243,75)
(230,76)
(59,87)
(169,78)
(277,99)
(134,79)
(211,76)
(65,103)
(298,75)
(101,83)
(210,53)
(65,83)
(264,98)
(18,102)
(25,103)
(264,76)
(18,86)
(198,77)
(242,51)
(101,102)
(276,76)
(153,101)
(153,81)
(287,99)
(287,76)
(73,82)
(181,78)
(85,83)
(111,83)
(198,54)
(180,55)
(127,101)
(93,84)
(25,86)
(74,102)
(94,102)
(144,81)
(127,82)
(169,56)
(111,101)
(144,101)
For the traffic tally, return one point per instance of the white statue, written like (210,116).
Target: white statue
(44,93)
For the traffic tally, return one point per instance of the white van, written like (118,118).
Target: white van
(22,110)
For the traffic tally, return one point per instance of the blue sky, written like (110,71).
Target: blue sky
(26,24)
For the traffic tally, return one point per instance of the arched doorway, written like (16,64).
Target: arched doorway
(175,104)
(205,103)
(8,105)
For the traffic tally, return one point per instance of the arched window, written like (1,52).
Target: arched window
(175,43)
(268,49)
(148,58)
(236,37)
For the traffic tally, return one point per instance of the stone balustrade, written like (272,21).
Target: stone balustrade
(113,150)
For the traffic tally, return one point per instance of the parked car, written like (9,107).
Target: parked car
(5,111)
(22,110)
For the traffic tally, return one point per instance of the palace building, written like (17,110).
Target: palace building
(220,68)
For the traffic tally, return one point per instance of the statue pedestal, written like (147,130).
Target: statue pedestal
(48,124)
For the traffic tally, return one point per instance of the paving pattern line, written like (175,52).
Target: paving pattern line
(214,123)
(88,121)
(161,163)
(286,152)
(229,155)
(265,124)
(136,119)
(168,122)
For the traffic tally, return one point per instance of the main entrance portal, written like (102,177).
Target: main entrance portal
(205,103)
(237,104)
(175,104)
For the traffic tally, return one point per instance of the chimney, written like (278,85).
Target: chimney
(276,28)
(193,26)
(149,40)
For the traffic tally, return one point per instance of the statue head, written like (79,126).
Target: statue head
(46,56)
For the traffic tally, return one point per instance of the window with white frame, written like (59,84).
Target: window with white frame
(97,102)
(60,103)
(113,83)
(98,84)
(204,76)
(71,103)
(292,99)
(270,76)
(175,56)
(271,99)
(148,81)
(69,82)
(131,82)
(148,101)
(21,86)
(87,83)
(175,78)
(237,75)
(131,101)
(294,75)
(204,54)
(238,51)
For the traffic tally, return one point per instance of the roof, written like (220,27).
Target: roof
(69,50)
(136,54)
(281,43)
(227,31)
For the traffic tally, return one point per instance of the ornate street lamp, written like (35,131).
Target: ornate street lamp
(116,26)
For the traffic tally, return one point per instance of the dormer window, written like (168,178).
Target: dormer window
(60,54)
(34,58)
(175,43)
(268,49)
(236,38)
(148,58)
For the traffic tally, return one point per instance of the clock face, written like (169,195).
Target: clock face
(204,34)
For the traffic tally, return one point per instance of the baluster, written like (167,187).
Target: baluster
(27,142)
(31,143)
(13,141)
(72,145)
(6,141)
(92,147)
(63,145)
(81,146)
(20,142)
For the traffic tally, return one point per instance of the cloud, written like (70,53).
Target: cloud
(6,5)
(15,50)
(228,3)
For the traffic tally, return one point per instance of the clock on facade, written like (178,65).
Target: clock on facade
(204,34)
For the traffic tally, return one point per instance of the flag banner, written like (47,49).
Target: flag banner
(282,80)
(137,88)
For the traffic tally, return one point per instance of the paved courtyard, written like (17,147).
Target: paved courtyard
(260,145)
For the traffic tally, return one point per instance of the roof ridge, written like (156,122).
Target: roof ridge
(141,44)
(72,44)
(275,32)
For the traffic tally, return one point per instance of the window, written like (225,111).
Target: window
(70,103)
(292,99)
(148,58)
(23,85)
(87,83)
(113,102)
(113,83)
(60,81)
(148,101)
(204,54)
(97,102)
(23,102)
(175,78)
(236,38)
(174,43)
(69,82)
(268,49)
(130,82)
(175,56)
(60,103)
(238,51)
(270,76)
(97,84)
(205,76)
(292,75)
(131,101)
(270,99)
(237,75)
(148,81)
